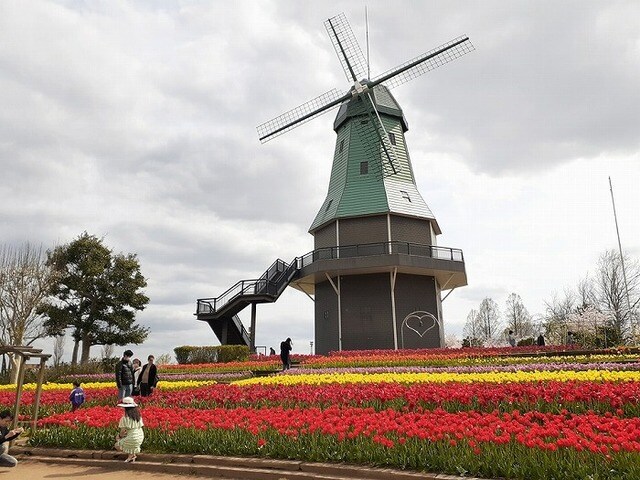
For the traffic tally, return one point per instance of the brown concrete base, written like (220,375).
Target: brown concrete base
(236,468)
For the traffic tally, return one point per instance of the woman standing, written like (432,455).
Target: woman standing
(148,377)
(131,435)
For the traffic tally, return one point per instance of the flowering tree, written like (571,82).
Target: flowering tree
(618,292)
(589,326)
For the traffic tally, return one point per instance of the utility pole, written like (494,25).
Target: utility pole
(624,272)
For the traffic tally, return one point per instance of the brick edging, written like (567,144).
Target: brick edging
(154,460)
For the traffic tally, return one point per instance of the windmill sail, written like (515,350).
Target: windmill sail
(301,114)
(354,65)
(426,62)
(347,47)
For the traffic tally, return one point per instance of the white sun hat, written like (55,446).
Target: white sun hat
(127,402)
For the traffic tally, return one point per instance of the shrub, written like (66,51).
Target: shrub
(207,354)
(52,374)
(233,353)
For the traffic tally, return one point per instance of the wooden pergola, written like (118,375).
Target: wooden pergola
(25,354)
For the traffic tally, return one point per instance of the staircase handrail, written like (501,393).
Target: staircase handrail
(243,331)
(276,278)
(255,286)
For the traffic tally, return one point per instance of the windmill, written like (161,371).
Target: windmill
(376,272)
(382,273)
(355,69)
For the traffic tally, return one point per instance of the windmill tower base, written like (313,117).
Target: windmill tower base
(377,283)
(370,312)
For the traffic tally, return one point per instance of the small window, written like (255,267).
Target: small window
(341,146)
(405,195)
(392,138)
(328,205)
(364,168)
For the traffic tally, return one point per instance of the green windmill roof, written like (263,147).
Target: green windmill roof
(385,104)
(358,190)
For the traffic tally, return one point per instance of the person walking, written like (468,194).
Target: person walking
(285,354)
(124,375)
(512,338)
(130,436)
(148,379)
(77,396)
(6,436)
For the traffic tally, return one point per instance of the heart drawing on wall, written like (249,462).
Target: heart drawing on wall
(420,322)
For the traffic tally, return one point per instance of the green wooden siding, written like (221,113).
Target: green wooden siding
(353,194)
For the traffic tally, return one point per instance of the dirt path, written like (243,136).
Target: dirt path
(33,470)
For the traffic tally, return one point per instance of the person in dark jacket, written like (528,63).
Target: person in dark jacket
(285,350)
(148,378)
(6,436)
(124,375)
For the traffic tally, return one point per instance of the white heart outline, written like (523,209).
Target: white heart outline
(419,315)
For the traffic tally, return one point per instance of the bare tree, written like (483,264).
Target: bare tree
(611,292)
(517,317)
(472,329)
(24,281)
(489,320)
(586,295)
(164,359)
(58,350)
(557,311)
(107,351)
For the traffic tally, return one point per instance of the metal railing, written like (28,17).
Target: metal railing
(275,279)
(271,282)
(381,248)
(243,331)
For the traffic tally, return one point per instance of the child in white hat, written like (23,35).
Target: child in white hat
(131,434)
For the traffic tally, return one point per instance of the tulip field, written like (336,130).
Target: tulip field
(516,413)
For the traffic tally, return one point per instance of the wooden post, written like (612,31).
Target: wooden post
(16,407)
(36,404)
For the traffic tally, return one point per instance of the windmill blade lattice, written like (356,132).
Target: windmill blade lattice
(300,115)
(375,139)
(355,68)
(347,47)
(388,158)
(426,62)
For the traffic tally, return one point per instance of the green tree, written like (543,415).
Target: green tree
(96,295)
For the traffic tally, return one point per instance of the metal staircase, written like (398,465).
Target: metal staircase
(222,312)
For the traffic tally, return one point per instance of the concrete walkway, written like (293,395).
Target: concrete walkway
(41,463)
(36,470)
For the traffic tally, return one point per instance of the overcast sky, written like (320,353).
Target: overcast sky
(135,121)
